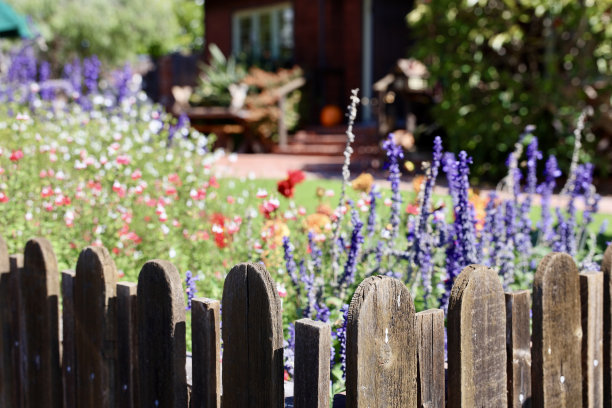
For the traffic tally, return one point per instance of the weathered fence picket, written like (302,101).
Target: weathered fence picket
(430,357)
(518,349)
(606,267)
(206,353)
(252,340)
(557,334)
(68,340)
(591,297)
(477,340)
(124,344)
(312,364)
(95,288)
(41,290)
(127,346)
(381,361)
(161,336)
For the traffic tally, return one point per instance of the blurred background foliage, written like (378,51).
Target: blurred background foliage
(503,64)
(115,30)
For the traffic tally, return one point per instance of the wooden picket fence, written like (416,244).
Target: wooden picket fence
(90,341)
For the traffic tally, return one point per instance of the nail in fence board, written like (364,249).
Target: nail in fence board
(161,336)
(591,297)
(477,340)
(95,329)
(68,341)
(7,381)
(312,364)
(556,379)
(206,353)
(381,359)
(252,340)
(606,267)
(430,358)
(16,262)
(127,346)
(518,348)
(40,289)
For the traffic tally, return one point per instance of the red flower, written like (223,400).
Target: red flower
(296,176)
(285,187)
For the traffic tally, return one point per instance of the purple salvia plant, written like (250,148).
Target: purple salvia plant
(374,195)
(551,173)
(308,280)
(341,336)
(91,72)
(289,350)
(394,156)
(44,74)
(72,73)
(190,283)
(449,166)
(290,263)
(316,255)
(350,267)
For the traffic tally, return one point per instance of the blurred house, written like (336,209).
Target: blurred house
(340,44)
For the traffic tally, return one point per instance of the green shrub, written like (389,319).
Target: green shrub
(503,64)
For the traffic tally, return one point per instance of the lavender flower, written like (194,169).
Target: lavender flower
(190,282)
(551,173)
(394,155)
(341,336)
(91,71)
(289,349)
(374,194)
(357,239)
(46,92)
(290,263)
(316,254)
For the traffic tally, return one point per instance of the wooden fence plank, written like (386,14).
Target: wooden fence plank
(606,267)
(68,341)
(381,345)
(477,340)
(127,346)
(16,262)
(7,383)
(95,287)
(312,364)
(556,379)
(161,336)
(518,348)
(252,340)
(430,358)
(206,353)
(40,289)
(591,298)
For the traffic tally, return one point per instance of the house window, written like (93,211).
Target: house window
(264,34)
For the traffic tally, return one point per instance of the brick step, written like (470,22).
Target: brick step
(325,149)
(306,137)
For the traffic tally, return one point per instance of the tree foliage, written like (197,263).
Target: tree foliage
(503,64)
(114,30)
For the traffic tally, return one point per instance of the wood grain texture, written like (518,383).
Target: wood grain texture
(161,336)
(477,340)
(127,345)
(518,348)
(430,358)
(252,340)
(95,296)
(591,298)
(16,261)
(556,379)
(8,386)
(606,268)
(68,340)
(381,361)
(312,364)
(40,289)
(206,353)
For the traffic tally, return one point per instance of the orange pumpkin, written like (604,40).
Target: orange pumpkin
(331,115)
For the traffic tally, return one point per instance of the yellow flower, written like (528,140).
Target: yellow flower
(320,192)
(363,182)
(274,230)
(417,182)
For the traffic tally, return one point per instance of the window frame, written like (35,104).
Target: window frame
(255,14)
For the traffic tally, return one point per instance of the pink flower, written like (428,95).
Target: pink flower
(123,159)
(3,197)
(1,171)
(231,200)
(136,174)
(16,155)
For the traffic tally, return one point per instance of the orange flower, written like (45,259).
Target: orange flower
(317,222)
(363,182)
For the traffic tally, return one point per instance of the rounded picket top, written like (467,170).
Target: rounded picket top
(161,336)
(477,340)
(40,291)
(95,288)
(557,333)
(381,360)
(252,334)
